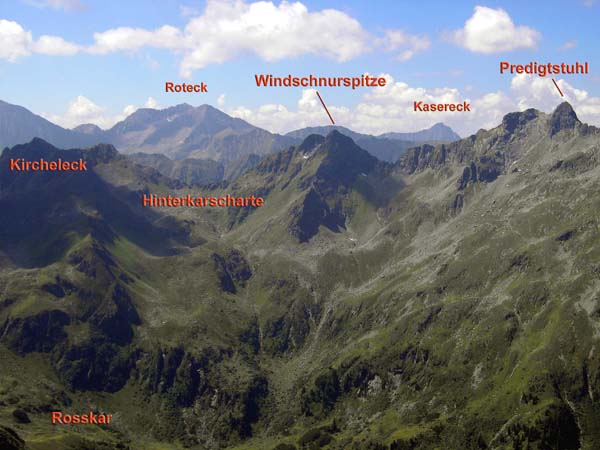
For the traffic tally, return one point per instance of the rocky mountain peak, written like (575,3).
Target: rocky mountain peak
(102,153)
(336,136)
(310,143)
(563,117)
(338,145)
(39,148)
(344,159)
(515,121)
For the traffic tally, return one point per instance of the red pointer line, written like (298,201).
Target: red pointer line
(326,110)
(561,94)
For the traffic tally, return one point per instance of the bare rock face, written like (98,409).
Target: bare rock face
(343,163)
(232,270)
(313,213)
(36,333)
(563,118)
(517,120)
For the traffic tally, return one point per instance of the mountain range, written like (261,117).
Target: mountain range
(388,146)
(385,149)
(436,133)
(185,134)
(19,125)
(446,300)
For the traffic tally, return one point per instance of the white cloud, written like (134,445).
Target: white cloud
(272,32)
(227,29)
(278,118)
(221,101)
(127,111)
(132,39)
(151,103)
(54,46)
(79,111)
(15,43)
(568,45)
(493,31)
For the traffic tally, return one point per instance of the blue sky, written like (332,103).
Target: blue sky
(426,49)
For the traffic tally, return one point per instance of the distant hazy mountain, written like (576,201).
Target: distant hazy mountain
(303,133)
(438,132)
(184,131)
(385,149)
(88,128)
(179,132)
(19,125)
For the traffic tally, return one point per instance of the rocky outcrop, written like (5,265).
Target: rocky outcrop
(224,410)
(95,365)
(312,213)
(232,270)
(343,162)
(115,315)
(486,170)
(512,122)
(35,333)
(563,118)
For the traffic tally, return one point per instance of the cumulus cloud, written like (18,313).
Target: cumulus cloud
(54,46)
(151,103)
(16,42)
(493,31)
(278,118)
(221,101)
(227,29)
(82,110)
(132,39)
(272,32)
(79,111)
